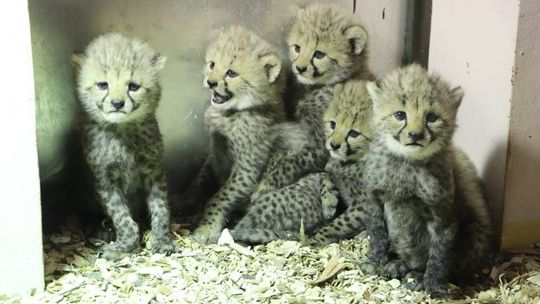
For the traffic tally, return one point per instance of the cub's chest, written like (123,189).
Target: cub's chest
(105,147)
(237,126)
(400,180)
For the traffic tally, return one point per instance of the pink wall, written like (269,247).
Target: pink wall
(472,45)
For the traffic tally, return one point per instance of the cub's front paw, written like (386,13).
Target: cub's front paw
(162,245)
(436,289)
(414,281)
(395,269)
(329,203)
(115,251)
(370,268)
(206,234)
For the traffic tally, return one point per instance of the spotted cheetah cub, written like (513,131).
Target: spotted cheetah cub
(430,211)
(119,92)
(325,48)
(244,74)
(348,127)
(312,199)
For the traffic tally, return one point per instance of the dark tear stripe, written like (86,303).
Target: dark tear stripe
(100,106)
(135,105)
(349,152)
(400,130)
(432,139)
(316,72)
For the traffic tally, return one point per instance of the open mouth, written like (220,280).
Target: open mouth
(220,99)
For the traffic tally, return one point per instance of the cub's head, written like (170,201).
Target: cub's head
(118,78)
(348,121)
(415,113)
(325,47)
(242,70)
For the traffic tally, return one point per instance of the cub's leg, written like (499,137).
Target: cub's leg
(127,231)
(379,240)
(442,231)
(158,209)
(347,224)
(244,176)
(329,196)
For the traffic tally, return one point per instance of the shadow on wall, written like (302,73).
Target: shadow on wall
(493,178)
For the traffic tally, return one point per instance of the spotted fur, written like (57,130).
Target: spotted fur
(119,92)
(430,211)
(245,115)
(313,198)
(348,130)
(326,48)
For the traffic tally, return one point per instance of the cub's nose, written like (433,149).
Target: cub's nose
(416,135)
(117,104)
(301,69)
(334,146)
(211,83)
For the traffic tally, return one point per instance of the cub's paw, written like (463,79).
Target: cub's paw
(414,281)
(206,234)
(162,245)
(329,204)
(370,268)
(436,289)
(395,269)
(115,251)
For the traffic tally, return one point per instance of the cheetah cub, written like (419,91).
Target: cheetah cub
(325,48)
(312,199)
(119,92)
(244,74)
(430,214)
(348,127)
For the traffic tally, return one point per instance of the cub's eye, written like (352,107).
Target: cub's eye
(432,117)
(332,125)
(296,48)
(102,85)
(134,87)
(353,133)
(400,115)
(212,64)
(231,73)
(319,54)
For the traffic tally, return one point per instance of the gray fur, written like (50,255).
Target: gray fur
(124,151)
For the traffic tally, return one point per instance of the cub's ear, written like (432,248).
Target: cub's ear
(357,37)
(77,60)
(374,91)
(158,61)
(272,66)
(456,96)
